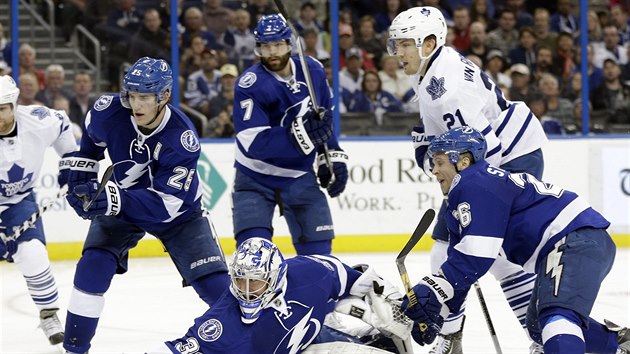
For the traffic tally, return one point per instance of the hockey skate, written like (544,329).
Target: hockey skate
(50,324)
(623,336)
(448,344)
(536,348)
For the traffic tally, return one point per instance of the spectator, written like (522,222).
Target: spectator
(27,56)
(225,98)
(258,8)
(625,76)
(525,52)
(612,97)
(609,48)
(191,58)
(594,27)
(480,11)
(495,62)
(597,125)
(71,14)
(563,20)
(351,76)
(557,107)
(346,41)
(308,19)
(82,100)
(5,47)
(542,28)
(544,63)
(95,16)
(563,60)
(239,40)
(505,37)
(573,89)
(218,18)
(384,18)
(478,40)
(523,18)
(55,76)
(521,89)
(194,26)
(368,41)
(619,18)
(393,78)
(150,40)
(538,106)
(461,26)
(372,98)
(311,39)
(203,84)
(29,86)
(122,23)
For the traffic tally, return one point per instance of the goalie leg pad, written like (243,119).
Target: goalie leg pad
(342,348)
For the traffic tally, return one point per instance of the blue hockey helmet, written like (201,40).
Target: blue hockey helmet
(272,28)
(258,274)
(147,75)
(458,141)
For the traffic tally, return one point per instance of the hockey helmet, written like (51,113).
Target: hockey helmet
(458,141)
(272,28)
(147,75)
(9,91)
(257,259)
(417,23)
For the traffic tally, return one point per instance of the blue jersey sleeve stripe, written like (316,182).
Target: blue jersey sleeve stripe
(480,246)
(340,269)
(505,120)
(519,135)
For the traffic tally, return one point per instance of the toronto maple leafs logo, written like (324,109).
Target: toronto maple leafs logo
(436,88)
(40,112)
(425,11)
(15,182)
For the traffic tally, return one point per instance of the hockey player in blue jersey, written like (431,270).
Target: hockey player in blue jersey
(452,92)
(548,230)
(25,134)
(278,306)
(154,189)
(278,137)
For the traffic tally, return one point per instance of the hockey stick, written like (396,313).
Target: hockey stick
(422,227)
(106,176)
(28,223)
(486,314)
(307,78)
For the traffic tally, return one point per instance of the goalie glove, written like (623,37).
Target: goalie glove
(421,145)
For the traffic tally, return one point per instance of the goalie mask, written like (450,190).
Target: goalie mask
(458,141)
(258,273)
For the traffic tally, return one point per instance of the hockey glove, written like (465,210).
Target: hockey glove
(339,159)
(431,292)
(311,130)
(421,145)
(75,170)
(8,246)
(108,202)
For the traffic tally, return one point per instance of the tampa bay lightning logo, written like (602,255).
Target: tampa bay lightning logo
(301,333)
(436,88)
(210,330)
(297,110)
(426,12)
(247,80)
(103,102)
(128,173)
(189,141)
(16,180)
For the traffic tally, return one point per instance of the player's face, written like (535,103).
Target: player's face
(6,117)
(256,287)
(274,55)
(144,106)
(408,55)
(444,171)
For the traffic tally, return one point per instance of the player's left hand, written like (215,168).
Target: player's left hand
(429,311)
(339,159)
(108,202)
(8,247)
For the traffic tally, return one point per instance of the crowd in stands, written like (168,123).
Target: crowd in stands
(530,49)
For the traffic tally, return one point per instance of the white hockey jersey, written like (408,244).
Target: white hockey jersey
(455,92)
(21,156)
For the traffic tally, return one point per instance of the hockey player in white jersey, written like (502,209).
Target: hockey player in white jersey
(453,92)
(25,134)
(276,305)
(547,230)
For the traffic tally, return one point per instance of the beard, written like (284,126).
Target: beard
(276,66)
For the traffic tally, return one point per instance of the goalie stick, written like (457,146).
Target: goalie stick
(486,314)
(422,227)
(307,78)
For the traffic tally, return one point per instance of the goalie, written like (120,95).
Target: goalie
(275,305)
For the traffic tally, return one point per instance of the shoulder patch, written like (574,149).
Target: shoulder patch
(247,80)
(103,102)
(210,330)
(189,141)
(436,87)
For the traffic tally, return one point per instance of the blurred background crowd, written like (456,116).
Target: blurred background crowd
(530,49)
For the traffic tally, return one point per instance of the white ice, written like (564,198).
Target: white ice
(148,305)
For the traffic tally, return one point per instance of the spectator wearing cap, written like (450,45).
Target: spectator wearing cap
(612,98)
(505,37)
(495,62)
(525,52)
(609,48)
(368,40)
(346,42)
(393,78)
(521,89)
(461,27)
(150,40)
(542,29)
(557,107)
(239,40)
(220,124)
(55,76)
(351,76)
(203,84)
(478,40)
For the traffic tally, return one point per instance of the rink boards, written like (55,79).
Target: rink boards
(384,199)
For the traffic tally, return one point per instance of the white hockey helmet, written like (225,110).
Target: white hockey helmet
(417,23)
(256,259)
(9,91)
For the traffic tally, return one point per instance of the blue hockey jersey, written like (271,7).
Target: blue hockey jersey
(288,325)
(491,211)
(264,107)
(156,172)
